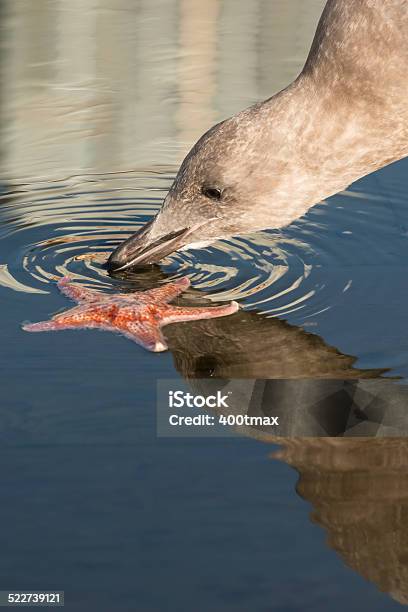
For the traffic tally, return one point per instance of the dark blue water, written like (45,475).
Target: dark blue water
(123,521)
(99,104)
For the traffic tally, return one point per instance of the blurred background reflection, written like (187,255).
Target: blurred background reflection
(114,85)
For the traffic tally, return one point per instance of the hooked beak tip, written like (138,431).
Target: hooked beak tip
(140,249)
(116,261)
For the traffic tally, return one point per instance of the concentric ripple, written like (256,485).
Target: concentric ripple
(69,227)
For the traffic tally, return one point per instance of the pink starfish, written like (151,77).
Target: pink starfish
(138,316)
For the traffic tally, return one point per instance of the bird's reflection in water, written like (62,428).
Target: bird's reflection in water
(272,368)
(246,344)
(359,493)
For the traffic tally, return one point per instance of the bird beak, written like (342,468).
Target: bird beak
(140,249)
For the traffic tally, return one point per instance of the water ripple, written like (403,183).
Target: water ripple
(69,227)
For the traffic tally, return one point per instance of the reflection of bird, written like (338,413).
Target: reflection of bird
(138,316)
(250,346)
(246,345)
(343,117)
(358,490)
(271,368)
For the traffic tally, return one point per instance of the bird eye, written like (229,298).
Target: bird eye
(212,192)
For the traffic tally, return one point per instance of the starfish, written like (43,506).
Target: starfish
(138,316)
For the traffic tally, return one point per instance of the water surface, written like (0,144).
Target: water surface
(100,102)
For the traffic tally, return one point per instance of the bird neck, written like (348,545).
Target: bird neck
(322,141)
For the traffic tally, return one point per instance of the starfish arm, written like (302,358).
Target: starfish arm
(147,335)
(165,293)
(77,292)
(75,318)
(172,314)
(41,326)
(66,323)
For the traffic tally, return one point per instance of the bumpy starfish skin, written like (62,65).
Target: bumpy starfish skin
(138,316)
